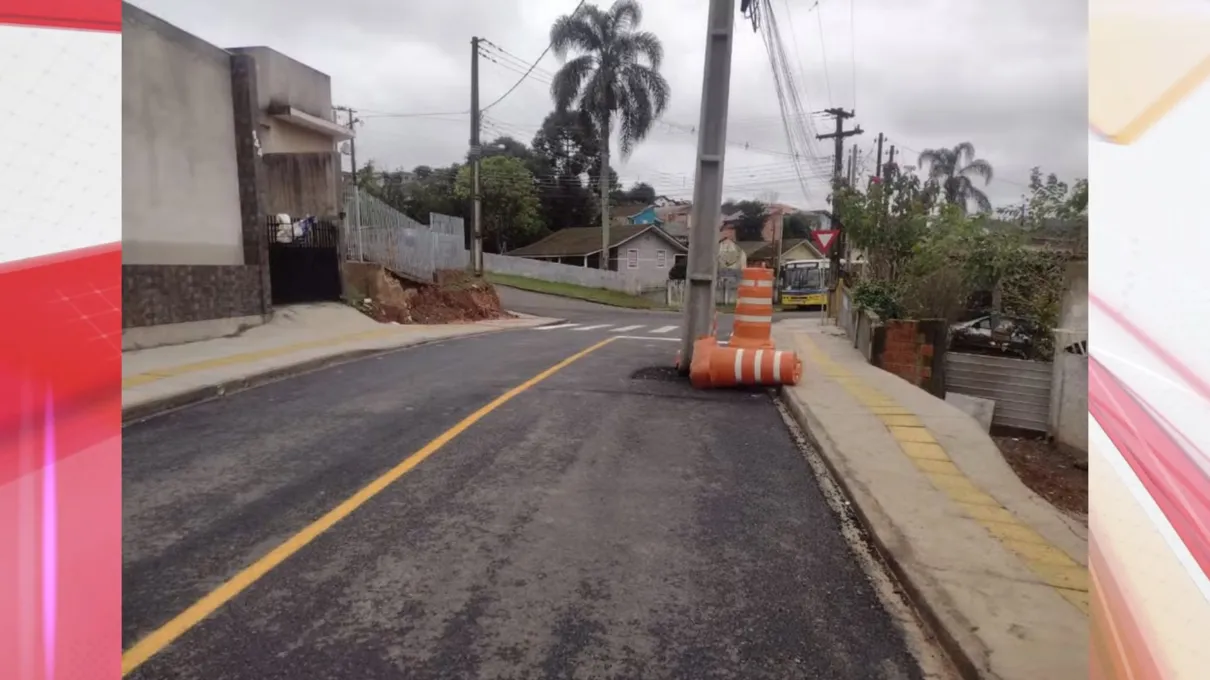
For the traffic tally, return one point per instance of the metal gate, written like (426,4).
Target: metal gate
(304,261)
(1020,388)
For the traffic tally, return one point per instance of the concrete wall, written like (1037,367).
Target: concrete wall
(282,80)
(300,184)
(1069,400)
(1073,309)
(561,273)
(1069,372)
(649,273)
(180,195)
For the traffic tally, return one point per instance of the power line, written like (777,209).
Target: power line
(531,67)
(370,113)
(823,50)
(853,46)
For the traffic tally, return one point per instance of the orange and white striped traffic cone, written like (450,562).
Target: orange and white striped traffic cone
(730,367)
(753,327)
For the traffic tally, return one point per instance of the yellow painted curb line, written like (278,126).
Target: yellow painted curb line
(248,357)
(1052,566)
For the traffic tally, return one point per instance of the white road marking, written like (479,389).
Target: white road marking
(593,328)
(647,337)
(665,329)
(625,329)
(558,327)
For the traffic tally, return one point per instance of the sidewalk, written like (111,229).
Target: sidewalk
(997,572)
(298,339)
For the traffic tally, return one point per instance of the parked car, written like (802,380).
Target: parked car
(1012,336)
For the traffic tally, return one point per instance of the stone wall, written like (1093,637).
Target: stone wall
(168,294)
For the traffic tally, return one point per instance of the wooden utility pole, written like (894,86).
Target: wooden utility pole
(838,138)
(476,230)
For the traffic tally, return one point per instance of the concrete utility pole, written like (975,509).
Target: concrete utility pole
(838,138)
(476,244)
(878,163)
(708,180)
(353,121)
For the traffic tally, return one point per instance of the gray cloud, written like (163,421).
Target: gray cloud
(1010,77)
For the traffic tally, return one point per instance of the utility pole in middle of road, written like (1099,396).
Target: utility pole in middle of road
(837,178)
(476,233)
(708,182)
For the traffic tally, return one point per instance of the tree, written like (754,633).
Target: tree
(567,148)
(953,172)
(509,199)
(432,191)
(751,224)
(797,226)
(640,192)
(1053,210)
(569,143)
(616,74)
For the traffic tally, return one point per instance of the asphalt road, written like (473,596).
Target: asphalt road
(582,312)
(607,522)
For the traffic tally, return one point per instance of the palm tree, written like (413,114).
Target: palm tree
(953,172)
(615,76)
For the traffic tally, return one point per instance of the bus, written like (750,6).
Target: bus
(803,283)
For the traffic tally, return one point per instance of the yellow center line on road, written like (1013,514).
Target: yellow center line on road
(165,635)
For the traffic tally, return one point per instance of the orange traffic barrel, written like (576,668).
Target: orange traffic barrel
(754,310)
(731,366)
(699,367)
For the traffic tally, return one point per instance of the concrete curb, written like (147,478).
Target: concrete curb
(883,535)
(154,407)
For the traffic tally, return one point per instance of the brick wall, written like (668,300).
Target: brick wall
(164,294)
(914,351)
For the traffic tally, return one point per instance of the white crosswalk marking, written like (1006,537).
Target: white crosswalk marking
(593,328)
(624,329)
(664,329)
(556,327)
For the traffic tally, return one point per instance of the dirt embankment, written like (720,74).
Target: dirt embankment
(1055,471)
(455,297)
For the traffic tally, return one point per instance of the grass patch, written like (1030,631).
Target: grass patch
(599,295)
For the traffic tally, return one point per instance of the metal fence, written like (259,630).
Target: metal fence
(376,232)
(726,291)
(1020,388)
(405,246)
(444,224)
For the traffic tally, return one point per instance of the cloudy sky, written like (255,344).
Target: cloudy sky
(1009,77)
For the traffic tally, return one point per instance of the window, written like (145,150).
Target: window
(632,259)
(661,258)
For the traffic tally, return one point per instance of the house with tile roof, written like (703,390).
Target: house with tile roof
(643,251)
